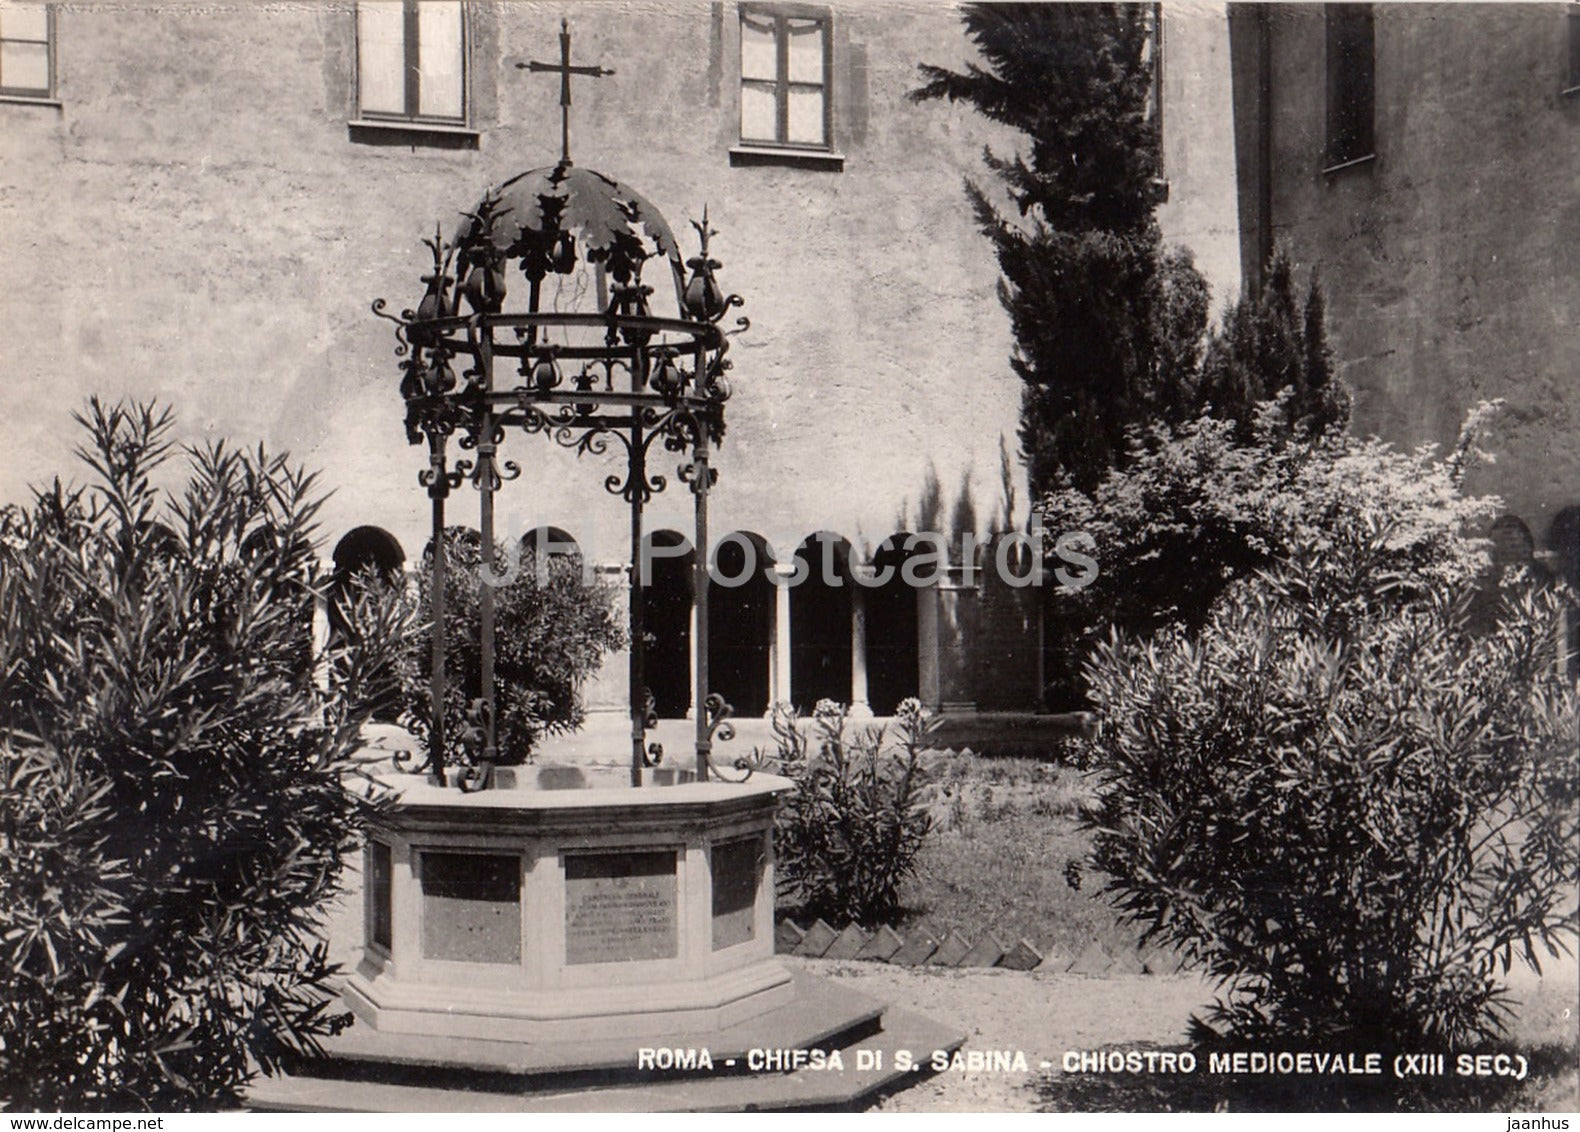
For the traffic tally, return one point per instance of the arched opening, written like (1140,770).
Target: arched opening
(893,650)
(741,621)
(546,546)
(360,550)
(1512,544)
(455,535)
(280,568)
(820,622)
(666,622)
(369,546)
(556,541)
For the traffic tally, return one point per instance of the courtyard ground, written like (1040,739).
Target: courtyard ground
(1046,1015)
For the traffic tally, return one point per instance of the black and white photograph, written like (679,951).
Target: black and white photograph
(720,556)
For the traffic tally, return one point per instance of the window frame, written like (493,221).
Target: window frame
(1155,60)
(780,14)
(411,71)
(1571,85)
(33,94)
(1351,95)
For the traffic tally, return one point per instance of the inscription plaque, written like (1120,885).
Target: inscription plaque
(381,930)
(620,907)
(737,866)
(471,907)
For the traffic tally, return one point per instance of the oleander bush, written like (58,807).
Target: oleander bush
(1342,802)
(552,629)
(848,838)
(1205,503)
(177,796)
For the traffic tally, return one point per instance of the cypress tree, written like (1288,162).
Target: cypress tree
(1270,342)
(1107,324)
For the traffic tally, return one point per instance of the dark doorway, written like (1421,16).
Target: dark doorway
(820,623)
(548,552)
(741,623)
(360,550)
(893,654)
(1564,538)
(666,620)
(554,540)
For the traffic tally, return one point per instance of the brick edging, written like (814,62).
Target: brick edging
(922,946)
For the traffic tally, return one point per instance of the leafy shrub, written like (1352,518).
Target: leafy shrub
(1341,801)
(849,836)
(551,631)
(175,804)
(1197,508)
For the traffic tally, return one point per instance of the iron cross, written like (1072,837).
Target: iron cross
(566,70)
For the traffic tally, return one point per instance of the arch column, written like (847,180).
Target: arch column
(691,662)
(320,631)
(929,683)
(779,655)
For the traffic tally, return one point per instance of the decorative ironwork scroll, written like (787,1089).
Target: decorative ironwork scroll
(614,380)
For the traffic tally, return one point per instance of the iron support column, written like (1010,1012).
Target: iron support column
(438,635)
(487,469)
(700,574)
(638,677)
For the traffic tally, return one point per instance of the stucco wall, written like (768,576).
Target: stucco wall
(1198,144)
(1451,261)
(196,223)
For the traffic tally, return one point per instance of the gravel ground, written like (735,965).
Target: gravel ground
(1042,1016)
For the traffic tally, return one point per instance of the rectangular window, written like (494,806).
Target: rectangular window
(411,60)
(1352,83)
(1154,58)
(27,50)
(787,54)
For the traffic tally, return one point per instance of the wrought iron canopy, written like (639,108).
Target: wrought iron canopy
(594,350)
(561,306)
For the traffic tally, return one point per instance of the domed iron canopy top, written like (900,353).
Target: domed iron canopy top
(560,220)
(535,217)
(615,371)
